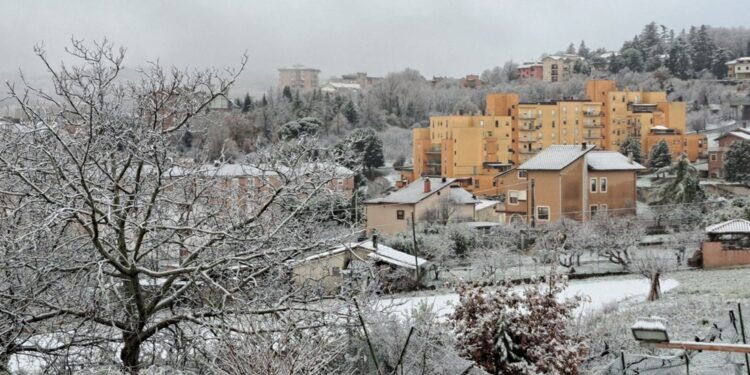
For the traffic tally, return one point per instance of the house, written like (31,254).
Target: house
(531,70)
(341,87)
(572,181)
(486,210)
(349,263)
(559,68)
(427,199)
(471,81)
(738,68)
(728,244)
(716,154)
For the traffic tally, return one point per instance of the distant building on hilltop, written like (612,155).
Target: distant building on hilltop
(471,81)
(558,68)
(298,77)
(531,70)
(739,68)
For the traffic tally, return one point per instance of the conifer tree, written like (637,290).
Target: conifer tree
(737,162)
(632,146)
(660,155)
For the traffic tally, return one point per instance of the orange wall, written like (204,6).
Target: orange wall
(714,256)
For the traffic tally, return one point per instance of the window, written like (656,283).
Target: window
(400,215)
(497,123)
(592,210)
(713,157)
(542,213)
(522,173)
(512,197)
(603,184)
(592,188)
(476,183)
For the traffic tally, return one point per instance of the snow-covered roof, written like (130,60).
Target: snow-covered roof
(659,127)
(482,224)
(485,203)
(731,226)
(611,161)
(414,192)
(461,196)
(738,60)
(530,65)
(381,253)
(565,56)
(739,133)
(555,157)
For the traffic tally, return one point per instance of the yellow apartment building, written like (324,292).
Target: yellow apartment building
(475,148)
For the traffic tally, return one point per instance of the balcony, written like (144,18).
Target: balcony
(592,136)
(527,116)
(526,152)
(526,139)
(592,113)
(528,127)
(592,125)
(434,150)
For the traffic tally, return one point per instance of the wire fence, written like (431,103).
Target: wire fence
(680,363)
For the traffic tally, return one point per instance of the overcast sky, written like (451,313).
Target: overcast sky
(437,37)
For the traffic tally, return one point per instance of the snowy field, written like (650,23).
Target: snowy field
(598,292)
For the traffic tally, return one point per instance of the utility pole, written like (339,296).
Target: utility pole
(744,341)
(414,241)
(533,205)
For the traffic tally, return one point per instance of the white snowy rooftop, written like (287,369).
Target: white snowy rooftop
(731,226)
(738,60)
(741,133)
(611,161)
(485,203)
(414,192)
(555,157)
(380,253)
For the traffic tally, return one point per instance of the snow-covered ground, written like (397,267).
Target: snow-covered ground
(598,292)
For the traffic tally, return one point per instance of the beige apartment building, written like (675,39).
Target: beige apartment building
(298,77)
(429,199)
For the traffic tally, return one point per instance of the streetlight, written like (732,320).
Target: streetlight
(652,330)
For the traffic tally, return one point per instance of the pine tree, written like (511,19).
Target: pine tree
(649,38)
(583,51)
(719,62)
(684,188)
(633,59)
(660,156)
(701,48)
(615,63)
(737,162)
(350,112)
(678,61)
(632,146)
(247,104)
(287,93)
(264,101)
(571,49)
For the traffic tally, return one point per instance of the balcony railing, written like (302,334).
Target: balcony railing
(592,113)
(525,139)
(528,127)
(592,136)
(591,124)
(532,151)
(527,116)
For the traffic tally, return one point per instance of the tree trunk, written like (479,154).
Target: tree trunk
(655,290)
(130,353)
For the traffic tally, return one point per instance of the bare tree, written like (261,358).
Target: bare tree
(653,265)
(141,244)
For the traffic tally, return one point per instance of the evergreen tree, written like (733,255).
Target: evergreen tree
(632,146)
(747,48)
(287,93)
(350,112)
(678,61)
(264,101)
(684,188)
(649,39)
(247,104)
(307,126)
(615,63)
(583,51)
(737,162)
(633,59)
(660,156)
(237,103)
(701,48)
(366,143)
(571,49)
(719,62)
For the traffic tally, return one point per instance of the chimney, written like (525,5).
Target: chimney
(427,187)
(583,146)
(375,241)
(630,157)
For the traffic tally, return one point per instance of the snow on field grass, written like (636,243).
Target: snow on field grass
(598,292)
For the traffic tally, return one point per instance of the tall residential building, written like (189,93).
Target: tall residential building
(559,68)
(739,68)
(298,77)
(475,148)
